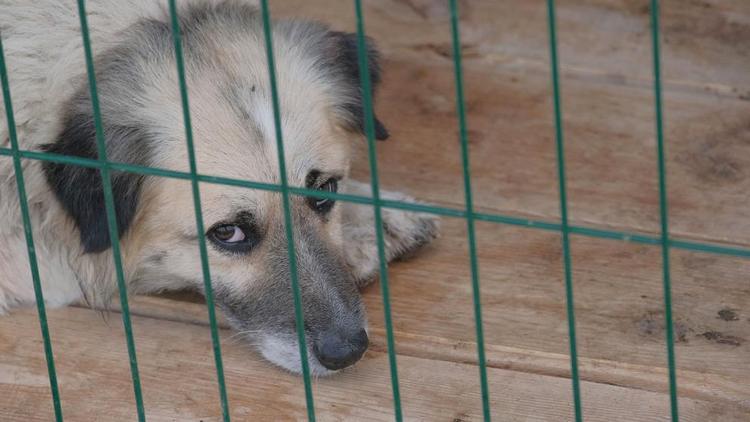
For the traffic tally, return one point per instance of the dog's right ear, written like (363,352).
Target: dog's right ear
(346,60)
(79,189)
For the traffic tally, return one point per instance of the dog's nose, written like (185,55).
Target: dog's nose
(335,351)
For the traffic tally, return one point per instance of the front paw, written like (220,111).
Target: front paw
(404,233)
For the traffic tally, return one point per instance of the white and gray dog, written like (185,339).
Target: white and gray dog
(233,123)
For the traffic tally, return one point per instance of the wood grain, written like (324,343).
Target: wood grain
(179,381)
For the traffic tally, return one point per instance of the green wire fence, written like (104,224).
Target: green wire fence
(208,291)
(468,213)
(377,205)
(109,203)
(298,315)
(564,228)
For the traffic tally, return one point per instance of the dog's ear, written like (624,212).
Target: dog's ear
(79,189)
(346,60)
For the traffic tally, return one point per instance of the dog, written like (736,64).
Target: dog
(233,123)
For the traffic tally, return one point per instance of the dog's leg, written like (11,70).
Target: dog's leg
(403,232)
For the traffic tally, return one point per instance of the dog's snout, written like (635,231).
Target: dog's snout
(336,351)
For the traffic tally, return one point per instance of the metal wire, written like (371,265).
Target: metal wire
(364,72)
(109,203)
(205,267)
(28,233)
(564,229)
(536,224)
(298,314)
(469,204)
(664,212)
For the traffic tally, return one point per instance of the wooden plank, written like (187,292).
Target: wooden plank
(618,294)
(179,382)
(693,384)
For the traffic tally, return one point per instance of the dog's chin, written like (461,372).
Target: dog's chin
(284,352)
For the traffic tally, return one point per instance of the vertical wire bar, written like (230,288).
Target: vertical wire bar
(33,264)
(366,85)
(208,290)
(299,317)
(565,229)
(664,211)
(110,208)
(461,110)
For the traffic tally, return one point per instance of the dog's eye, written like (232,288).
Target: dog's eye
(324,205)
(232,237)
(229,234)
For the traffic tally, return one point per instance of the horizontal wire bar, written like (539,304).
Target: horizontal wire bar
(688,245)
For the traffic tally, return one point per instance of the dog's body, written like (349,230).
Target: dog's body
(234,131)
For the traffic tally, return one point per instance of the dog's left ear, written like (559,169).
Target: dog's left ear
(346,60)
(79,189)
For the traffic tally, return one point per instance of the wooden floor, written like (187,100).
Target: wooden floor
(612,180)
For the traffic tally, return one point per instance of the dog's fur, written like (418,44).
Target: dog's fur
(233,124)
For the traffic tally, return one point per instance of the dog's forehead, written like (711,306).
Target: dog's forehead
(241,134)
(241,144)
(233,121)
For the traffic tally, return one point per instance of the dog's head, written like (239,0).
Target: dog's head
(234,132)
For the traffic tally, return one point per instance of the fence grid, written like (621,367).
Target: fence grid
(664,240)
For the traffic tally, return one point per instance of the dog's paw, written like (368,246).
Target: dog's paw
(404,233)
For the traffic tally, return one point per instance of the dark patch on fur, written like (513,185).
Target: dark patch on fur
(339,52)
(346,59)
(80,189)
(156,259)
